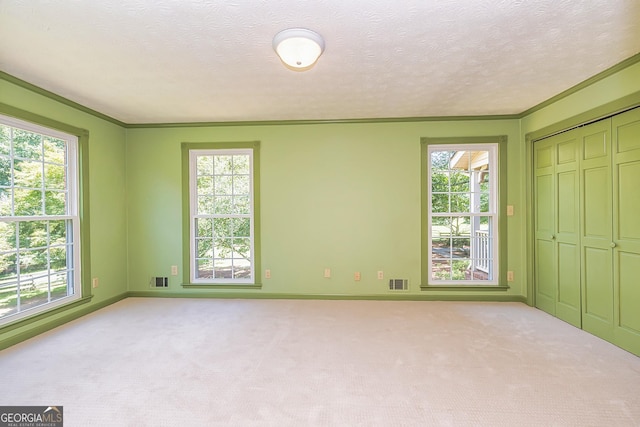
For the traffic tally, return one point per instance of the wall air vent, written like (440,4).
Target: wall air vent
(159,282)
(398,284)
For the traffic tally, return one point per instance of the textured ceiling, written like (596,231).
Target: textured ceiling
(168,61)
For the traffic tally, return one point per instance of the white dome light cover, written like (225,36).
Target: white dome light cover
(298,48)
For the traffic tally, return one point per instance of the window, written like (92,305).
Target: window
(222,216)
(39,220)
(462,222)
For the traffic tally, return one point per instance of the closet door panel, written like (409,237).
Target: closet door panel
(596,230)
(596,208)
(568,307)
(545,265)
(626,230)
(546,285)
(598,307)
(629,272)
(567,236)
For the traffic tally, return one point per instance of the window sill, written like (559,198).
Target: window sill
(45,314)
(464,287)
(221,286)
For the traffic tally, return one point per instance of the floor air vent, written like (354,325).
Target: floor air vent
(159,282)
(398,284)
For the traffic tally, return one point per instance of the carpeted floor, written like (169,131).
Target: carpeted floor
(207,362)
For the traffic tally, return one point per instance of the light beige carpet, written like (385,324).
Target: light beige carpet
(195,362)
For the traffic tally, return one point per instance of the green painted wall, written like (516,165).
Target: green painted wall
(107,193)
(339,196)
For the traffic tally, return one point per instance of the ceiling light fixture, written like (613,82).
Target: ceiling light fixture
(298,48)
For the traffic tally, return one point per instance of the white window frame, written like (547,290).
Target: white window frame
(193,215)
(72,214)
(492,213)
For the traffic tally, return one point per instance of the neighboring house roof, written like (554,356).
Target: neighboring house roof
(470,160)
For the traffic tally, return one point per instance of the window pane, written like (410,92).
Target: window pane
(242,269)
(204,248)
(461,247)
(55,202)
(27,202)
(440,182)
(484,180)
(58,232)
(33,234)
(204,165)
(205,269)
(8,285)
(61,285)
(58,258)
(205,185)
(241,185)
(223,185)
(5,140)
(222,205)
(222,165)
(5,171)
(222,248)
(5,202)
(242,205)
(7,238)
(27,174)
(8,267)
(459,182)
(460,202)
(205,205)
(222,268)
(441,247)
(9,288)
(33,262)
(460,269)
(440,203)
(55,150)
(241,227)
(460,225)
(222,227)
(241,164)
(242,248)
(54,177)
(27,144)
(484,202)
(204,227)
(440,160)
(441,270)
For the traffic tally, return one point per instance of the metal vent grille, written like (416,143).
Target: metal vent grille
(159,282)
(398,284)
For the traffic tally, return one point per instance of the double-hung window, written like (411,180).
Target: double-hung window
(222,216)
(462,206)
(39,220)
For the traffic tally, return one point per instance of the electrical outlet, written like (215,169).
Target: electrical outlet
(380,275)
(509,276)
(509,210)
(327,273)
(356,276)
(174,270)
(267,274)
(95,282)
